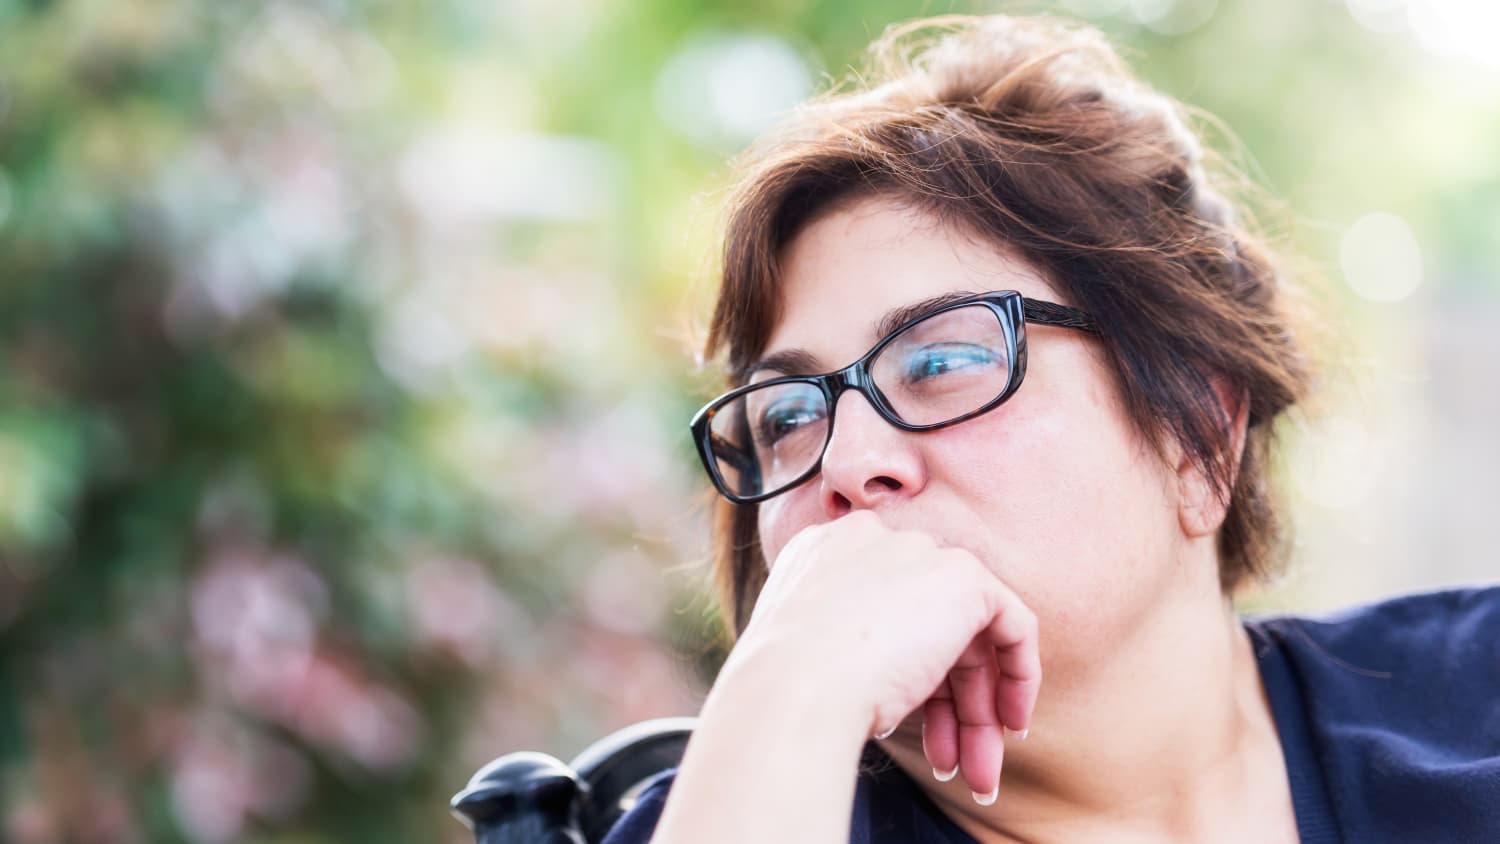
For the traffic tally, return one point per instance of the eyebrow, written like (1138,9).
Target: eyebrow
(803,362)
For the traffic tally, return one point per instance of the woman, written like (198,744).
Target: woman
(972,571)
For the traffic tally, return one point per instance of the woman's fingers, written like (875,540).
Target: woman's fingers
(992,685)
(981,737)
(940,733)
(974,670)
(1012,635)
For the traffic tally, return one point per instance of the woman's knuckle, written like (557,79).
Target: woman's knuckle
(964,673)
(1028,620)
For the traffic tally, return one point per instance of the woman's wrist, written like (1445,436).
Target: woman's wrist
(815,687)
(774,756)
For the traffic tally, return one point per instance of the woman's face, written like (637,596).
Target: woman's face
(1052,490)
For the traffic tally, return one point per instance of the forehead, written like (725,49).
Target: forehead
(849,267)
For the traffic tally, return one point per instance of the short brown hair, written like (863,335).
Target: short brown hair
(1034,135)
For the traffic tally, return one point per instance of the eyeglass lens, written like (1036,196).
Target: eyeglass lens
(943,367)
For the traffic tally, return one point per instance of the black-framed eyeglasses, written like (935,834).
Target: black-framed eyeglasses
(941,368)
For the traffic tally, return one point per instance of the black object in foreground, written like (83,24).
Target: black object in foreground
(533,798)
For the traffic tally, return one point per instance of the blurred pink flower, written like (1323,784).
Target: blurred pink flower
(257,633)
(222,775)
(623,592)
(256,623)
(456,607)
(373,725)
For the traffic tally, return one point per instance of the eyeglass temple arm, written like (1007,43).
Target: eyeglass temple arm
(734,456)
(1050,313)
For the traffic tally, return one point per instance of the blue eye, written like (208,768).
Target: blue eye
(938,359)
(783,418)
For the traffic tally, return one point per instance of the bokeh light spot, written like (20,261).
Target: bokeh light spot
(1173,17)
(1380,258)
(721,91)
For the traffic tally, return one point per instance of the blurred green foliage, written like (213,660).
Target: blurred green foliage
(345,358)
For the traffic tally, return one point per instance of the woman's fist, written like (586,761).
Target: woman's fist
(897,621)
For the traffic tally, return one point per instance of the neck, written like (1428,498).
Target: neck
(1171,736)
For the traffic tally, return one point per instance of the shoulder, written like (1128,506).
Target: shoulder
(1401,704)
(1405,660)
(1443,636)
(639,822)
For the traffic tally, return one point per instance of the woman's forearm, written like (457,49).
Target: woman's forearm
(773,758)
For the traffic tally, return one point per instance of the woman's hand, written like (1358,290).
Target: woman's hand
(898,621)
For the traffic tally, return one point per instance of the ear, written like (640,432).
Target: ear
(1200,510)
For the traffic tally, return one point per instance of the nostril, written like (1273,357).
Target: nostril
(841,505)
(886,481)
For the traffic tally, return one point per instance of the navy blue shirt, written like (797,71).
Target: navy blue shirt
(1389,717)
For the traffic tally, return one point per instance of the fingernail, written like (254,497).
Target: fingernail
(986,799)
(887,733)
(944,777)
(1023,734)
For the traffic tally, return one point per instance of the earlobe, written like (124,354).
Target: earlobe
(1200,509)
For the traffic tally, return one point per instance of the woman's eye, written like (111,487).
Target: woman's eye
(784,418)
(941,358)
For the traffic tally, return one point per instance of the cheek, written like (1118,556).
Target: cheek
(1011,464)
(1074,509)
(780,518)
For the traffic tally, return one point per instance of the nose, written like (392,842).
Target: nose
(869,462)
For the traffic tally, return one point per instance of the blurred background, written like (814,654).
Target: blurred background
(346,354)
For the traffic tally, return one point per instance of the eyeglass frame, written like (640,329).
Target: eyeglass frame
(1012,310)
